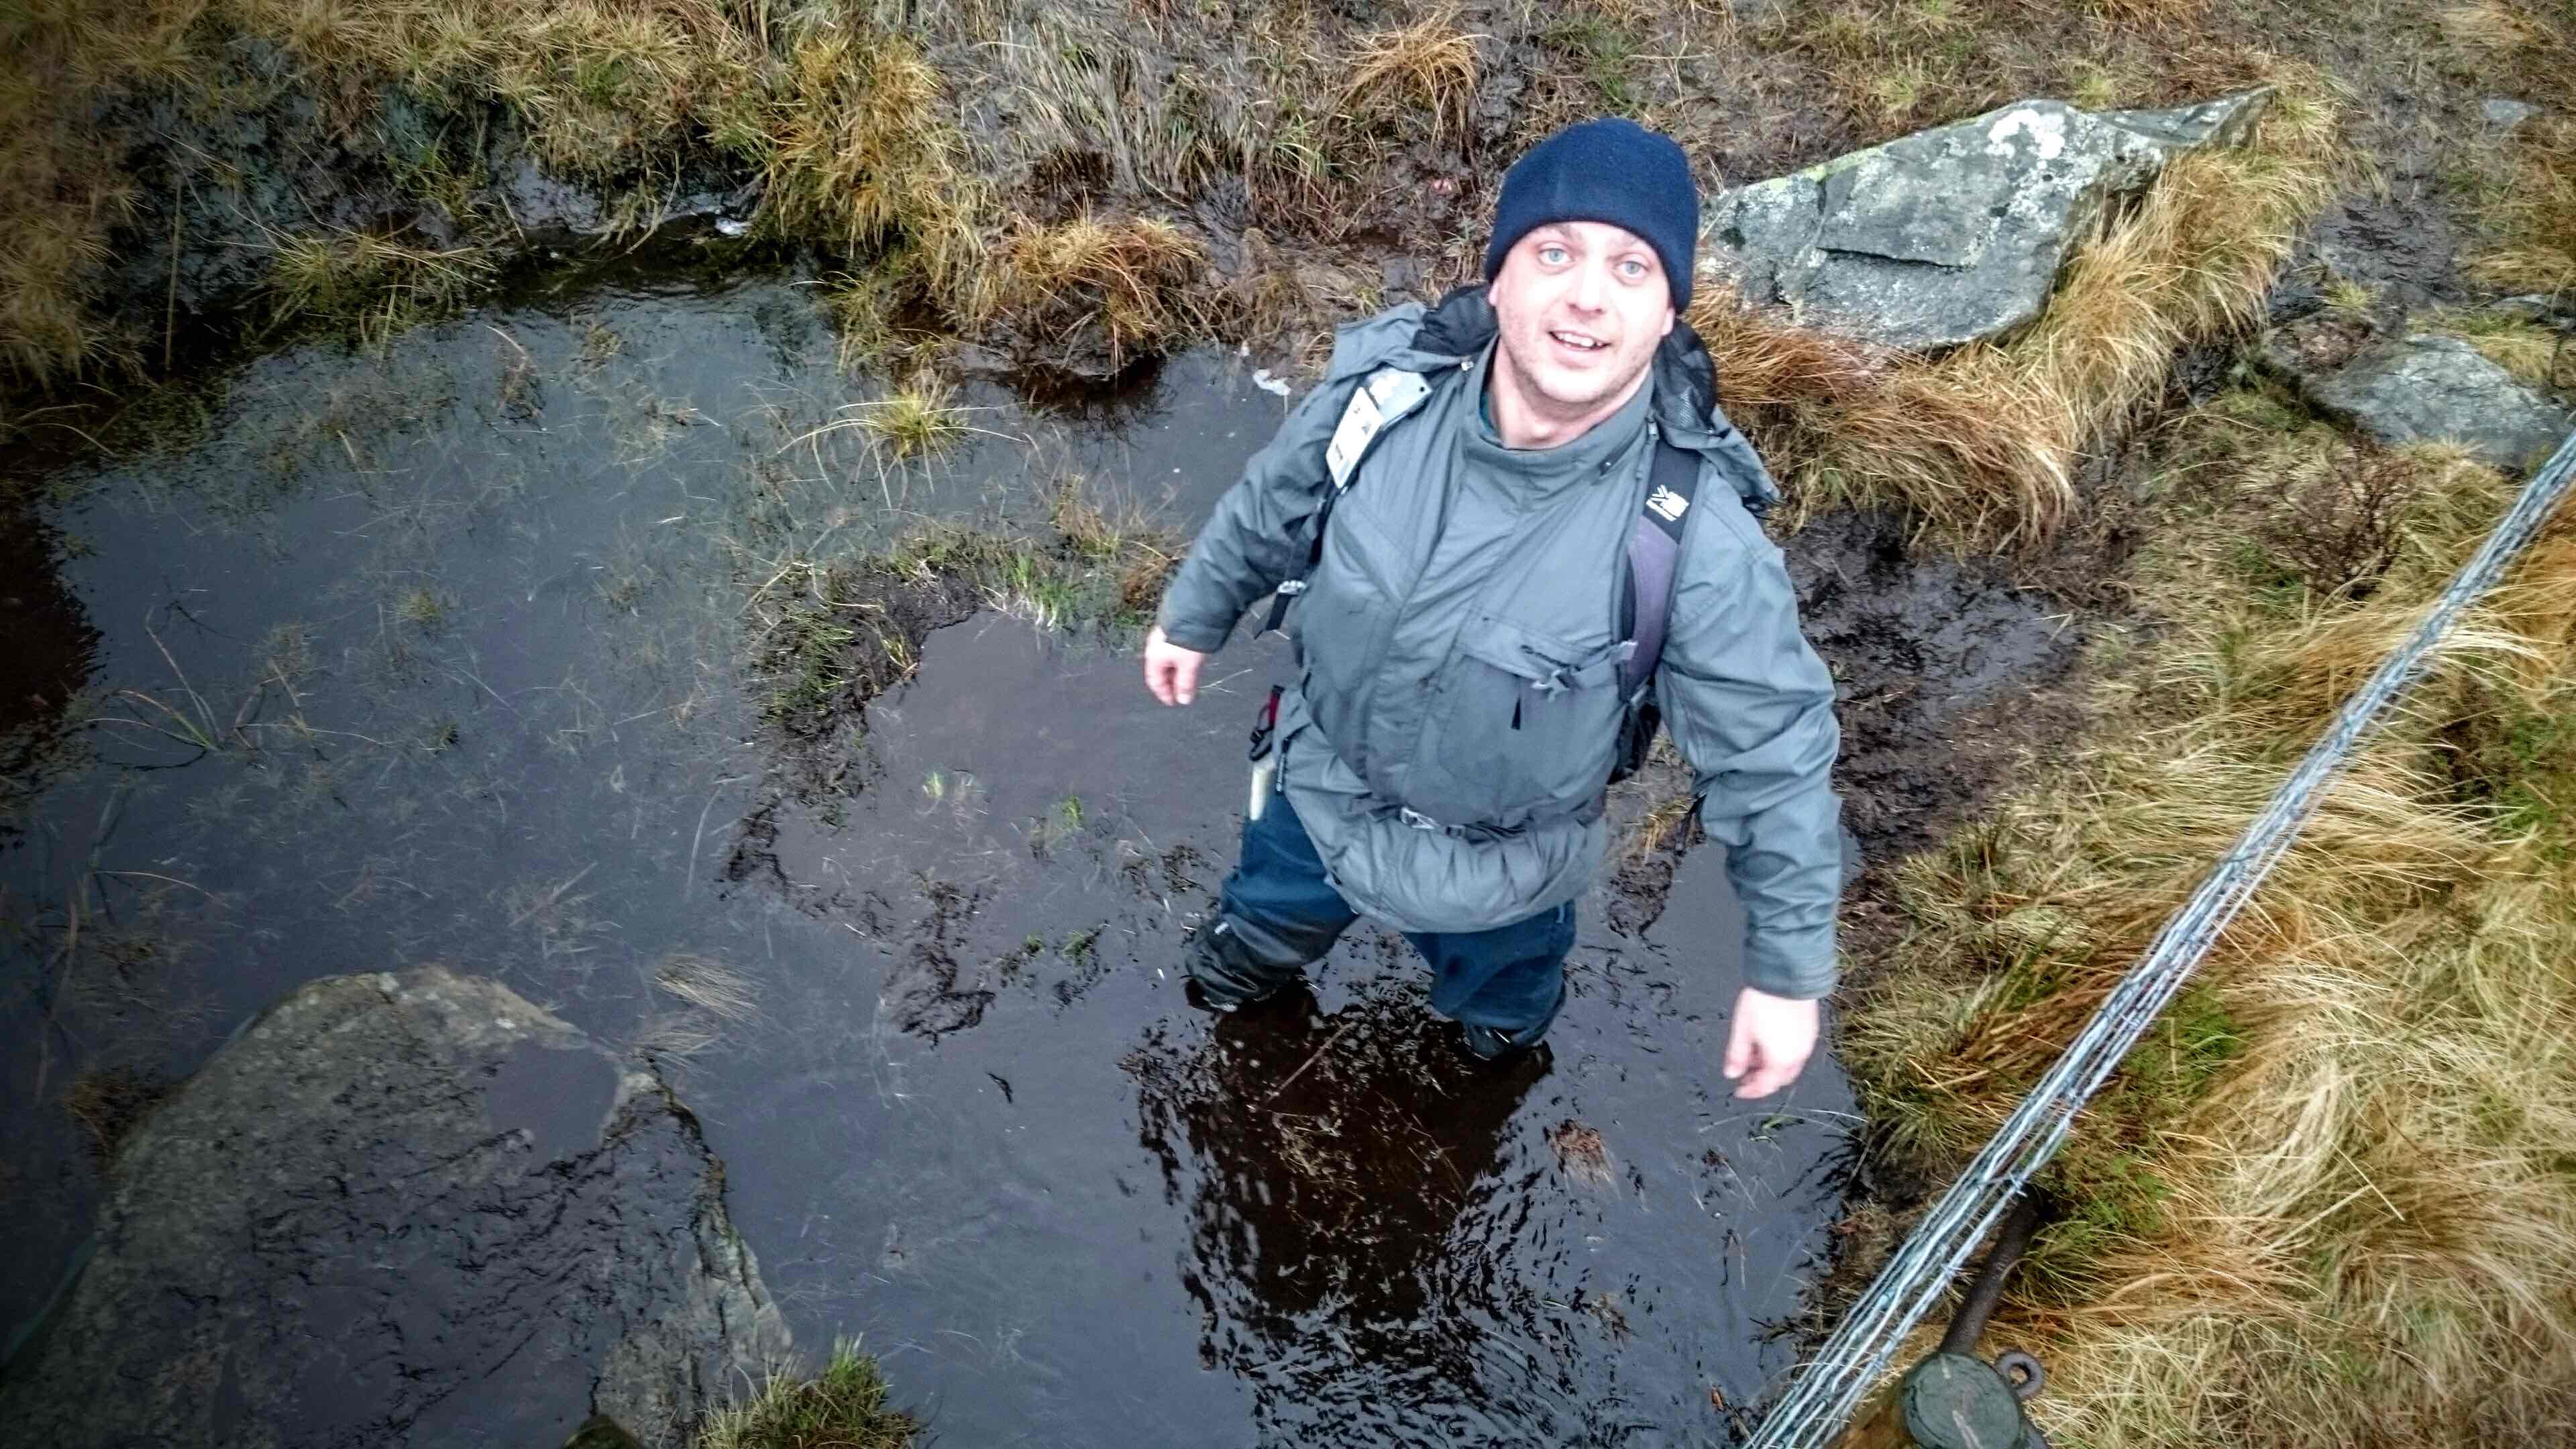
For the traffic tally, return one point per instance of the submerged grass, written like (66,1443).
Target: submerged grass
(2330,1200)
(831,637)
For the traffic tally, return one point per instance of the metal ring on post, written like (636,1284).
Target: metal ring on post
(2022,1374)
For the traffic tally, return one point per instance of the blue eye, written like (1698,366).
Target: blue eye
(1632,268)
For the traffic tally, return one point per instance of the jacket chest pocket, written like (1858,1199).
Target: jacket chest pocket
(1527,726)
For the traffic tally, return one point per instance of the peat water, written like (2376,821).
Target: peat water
(436,656)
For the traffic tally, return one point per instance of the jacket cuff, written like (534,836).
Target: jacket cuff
(1800,969)
(1196,636)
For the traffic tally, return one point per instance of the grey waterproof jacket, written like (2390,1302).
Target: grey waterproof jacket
(1457,718)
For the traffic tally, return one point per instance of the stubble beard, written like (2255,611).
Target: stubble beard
(1559,406)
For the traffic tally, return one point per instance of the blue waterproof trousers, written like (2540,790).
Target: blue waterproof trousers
(1279,911)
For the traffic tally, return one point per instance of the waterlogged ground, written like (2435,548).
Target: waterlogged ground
(1312,1224)
(434,657)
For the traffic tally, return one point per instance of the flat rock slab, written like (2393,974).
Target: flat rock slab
(402,1209)
(2425,388)
(1956,234)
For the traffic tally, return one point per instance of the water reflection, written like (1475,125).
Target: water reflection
(51,649)
(1349,1222)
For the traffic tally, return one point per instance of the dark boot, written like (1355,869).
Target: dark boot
(1504,986)
(1277,912)
(1486,1044)
(1235,963)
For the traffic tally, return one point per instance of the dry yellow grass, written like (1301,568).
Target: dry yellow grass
(846,120)
(858,153)
(1430,64)
(2330,1200)
(1135,278)
(2537,250)
(369,284)
(1982,443)
(2529,48)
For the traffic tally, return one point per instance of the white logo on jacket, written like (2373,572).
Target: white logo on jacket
(1668,504)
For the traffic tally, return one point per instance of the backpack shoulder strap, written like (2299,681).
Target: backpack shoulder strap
(1384,397)
(1654,554)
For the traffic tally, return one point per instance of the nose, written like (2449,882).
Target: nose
(1590,290)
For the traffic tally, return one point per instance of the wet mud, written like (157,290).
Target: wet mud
(437,656)
(1944,669)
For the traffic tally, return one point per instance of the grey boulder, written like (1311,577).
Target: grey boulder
(1955,234)
(401,1209)
(2425,388)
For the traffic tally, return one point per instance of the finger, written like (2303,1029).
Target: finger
(1185,678)
(1774,1073)
(1739,1048)
(1158,680)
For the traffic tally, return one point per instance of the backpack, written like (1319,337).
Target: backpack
(1390,394)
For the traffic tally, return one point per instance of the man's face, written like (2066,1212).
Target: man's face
(1581,306)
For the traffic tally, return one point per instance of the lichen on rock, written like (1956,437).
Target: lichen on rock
(1954,234)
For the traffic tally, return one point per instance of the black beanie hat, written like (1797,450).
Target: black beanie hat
(1609,170)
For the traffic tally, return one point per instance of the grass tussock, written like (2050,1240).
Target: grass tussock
(847,124)
(1133,279)
(844,1406)
(1428,67)
(368,285)
(2329,1200)
(1982,443)
(1037,171)
(919,417)
(859,153)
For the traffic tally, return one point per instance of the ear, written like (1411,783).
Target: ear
(1670,317)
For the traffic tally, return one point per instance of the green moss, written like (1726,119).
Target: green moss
(1603,49)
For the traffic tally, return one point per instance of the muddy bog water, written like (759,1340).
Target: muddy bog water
(434,657)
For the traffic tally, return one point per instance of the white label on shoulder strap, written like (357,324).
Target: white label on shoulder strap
(1351,437)
(1391,392)
(1668,504)
(1397,390)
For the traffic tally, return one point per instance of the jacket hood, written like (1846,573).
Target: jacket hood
(1461,325)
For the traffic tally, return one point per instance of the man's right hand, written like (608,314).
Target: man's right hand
(1171,672)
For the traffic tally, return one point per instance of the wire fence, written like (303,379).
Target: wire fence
(1829,1388)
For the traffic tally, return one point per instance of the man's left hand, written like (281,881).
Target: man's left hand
(1769,1043)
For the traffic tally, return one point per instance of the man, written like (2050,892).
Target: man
(1467,615)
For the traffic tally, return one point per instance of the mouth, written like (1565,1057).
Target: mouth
(1580,344)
